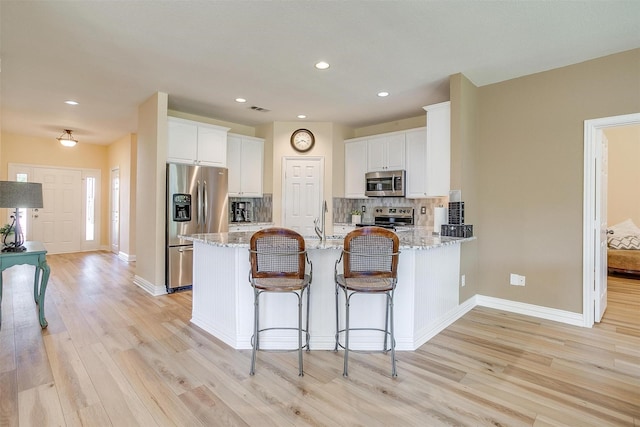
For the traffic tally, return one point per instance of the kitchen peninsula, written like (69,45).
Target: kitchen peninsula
(426,297)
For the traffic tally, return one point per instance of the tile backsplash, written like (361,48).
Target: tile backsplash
(342,208)
(261,208)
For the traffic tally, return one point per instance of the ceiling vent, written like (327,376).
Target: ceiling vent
(262,110)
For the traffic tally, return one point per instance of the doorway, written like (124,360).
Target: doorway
(302,193)
(115,211)
(69,220)
(594,207)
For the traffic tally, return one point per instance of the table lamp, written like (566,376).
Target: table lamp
(16,195)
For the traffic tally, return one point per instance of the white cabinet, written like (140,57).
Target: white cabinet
(438,149)
(196,143)
(416,140)
(386,152)
(429,155)
(245,159)
(355,166)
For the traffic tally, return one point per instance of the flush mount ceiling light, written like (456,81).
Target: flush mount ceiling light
(241,100)
(71,102)
(302,116)
(322,65)
(383,94)
(67,139)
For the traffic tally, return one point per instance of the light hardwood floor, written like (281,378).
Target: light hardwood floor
(113,355)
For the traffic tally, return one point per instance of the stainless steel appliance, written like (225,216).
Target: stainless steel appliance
(197,202)
(391,217)
(385,184)
(240,211)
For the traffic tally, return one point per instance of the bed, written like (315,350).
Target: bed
(623,249)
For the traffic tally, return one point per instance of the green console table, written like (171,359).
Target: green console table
(34,255)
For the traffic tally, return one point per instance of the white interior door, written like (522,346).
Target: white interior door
(115,211)
(302,193)
(600,283)
(59,223)
(593,237)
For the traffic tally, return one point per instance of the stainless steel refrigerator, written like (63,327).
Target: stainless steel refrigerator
(197,202)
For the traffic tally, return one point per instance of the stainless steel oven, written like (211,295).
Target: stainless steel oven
(392,217)
(385,184)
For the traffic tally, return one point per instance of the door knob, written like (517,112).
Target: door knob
(35,216)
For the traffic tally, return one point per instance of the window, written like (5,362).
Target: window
(90,208)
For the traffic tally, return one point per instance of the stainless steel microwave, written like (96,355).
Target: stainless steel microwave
(385,184)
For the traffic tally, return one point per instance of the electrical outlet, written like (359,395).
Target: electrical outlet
(364,209)
(423,210)
(462,281)
(516,280)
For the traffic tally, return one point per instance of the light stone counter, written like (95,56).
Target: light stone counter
(410,238)
(426,298)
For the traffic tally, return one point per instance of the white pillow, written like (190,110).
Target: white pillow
(626,242)
(625,228)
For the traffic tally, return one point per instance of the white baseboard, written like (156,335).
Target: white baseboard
(154,290)
(442,323)
(562,316)
(126,257)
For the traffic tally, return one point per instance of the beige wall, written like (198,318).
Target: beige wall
(623,199)
(150,181)
(49,152)
(122,156)
(529,175)
(464,171)
(419,120)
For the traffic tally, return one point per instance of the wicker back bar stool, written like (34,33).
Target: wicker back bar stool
(278,264)
(370,266)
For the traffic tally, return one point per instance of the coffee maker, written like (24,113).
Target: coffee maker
(240,211)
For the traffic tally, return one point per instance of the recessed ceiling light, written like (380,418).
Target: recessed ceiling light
(383,94)
(322,65)
(71,102)
(302,116)
(241,100)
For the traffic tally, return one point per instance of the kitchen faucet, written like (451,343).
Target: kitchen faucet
(320,231)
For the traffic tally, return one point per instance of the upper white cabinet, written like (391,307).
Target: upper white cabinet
(355,166)
(429,154)
(386,152)
(416,140)
(245,159)
(196,143)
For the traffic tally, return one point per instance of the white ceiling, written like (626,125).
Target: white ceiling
(112,55)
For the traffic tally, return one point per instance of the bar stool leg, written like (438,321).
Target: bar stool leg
(337,322)
(386,323)
(394,373)
(300,373)
(346,337)
(254,344)
(307,337)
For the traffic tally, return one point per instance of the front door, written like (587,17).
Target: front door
(58,223)
(302,193)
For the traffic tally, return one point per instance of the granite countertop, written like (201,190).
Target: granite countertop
(414,238)
(250,223)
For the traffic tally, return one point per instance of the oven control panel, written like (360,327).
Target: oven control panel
(398,212)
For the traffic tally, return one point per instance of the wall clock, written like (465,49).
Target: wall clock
(302,140)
